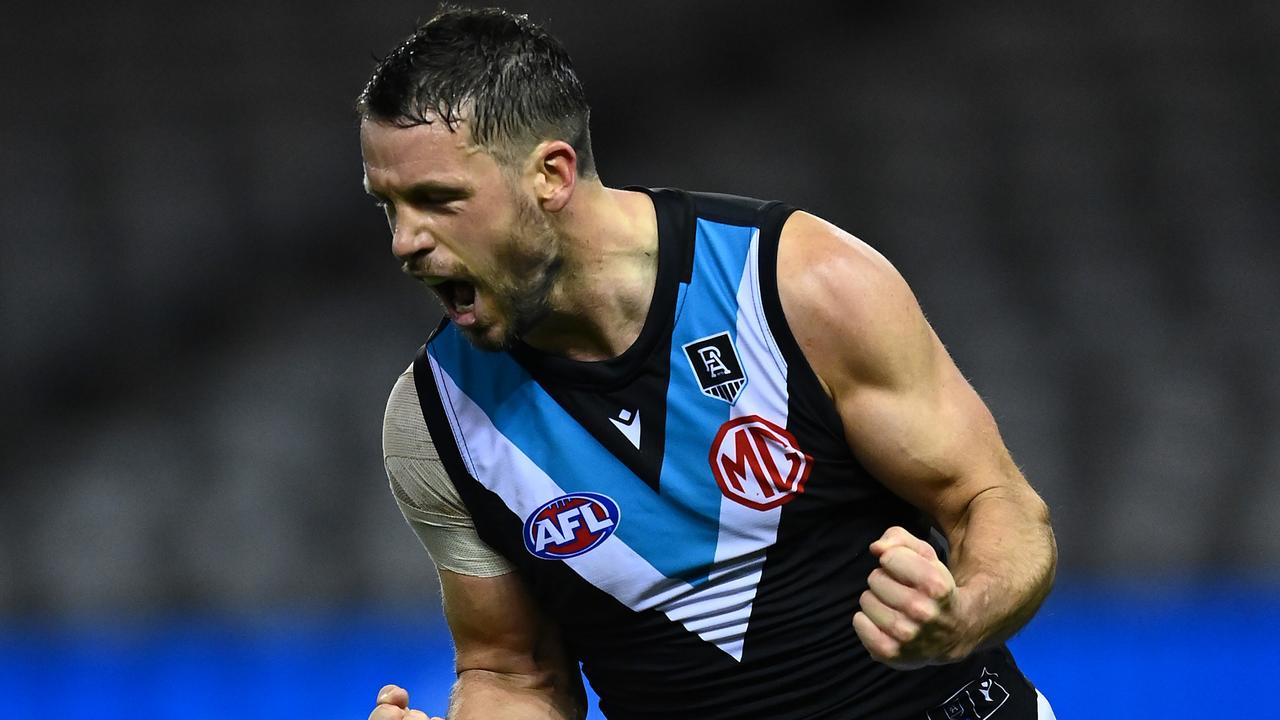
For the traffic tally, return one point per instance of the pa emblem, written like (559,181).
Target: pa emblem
(757,463)
(570,525)
(715,364)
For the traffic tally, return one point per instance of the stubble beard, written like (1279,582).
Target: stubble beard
(532,266)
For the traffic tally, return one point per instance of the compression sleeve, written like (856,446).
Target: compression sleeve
(426,496)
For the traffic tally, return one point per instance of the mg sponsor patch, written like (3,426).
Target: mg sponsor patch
(570,525)
(715,363)
(757,463)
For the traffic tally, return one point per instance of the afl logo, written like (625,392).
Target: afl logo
(757,463)
(571,525)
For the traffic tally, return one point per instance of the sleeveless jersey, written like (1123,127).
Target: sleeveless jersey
(690,512)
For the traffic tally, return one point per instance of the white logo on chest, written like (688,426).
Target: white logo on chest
(628,423)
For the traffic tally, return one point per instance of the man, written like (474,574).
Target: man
(699,444)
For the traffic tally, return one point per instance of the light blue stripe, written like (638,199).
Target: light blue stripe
(708,307)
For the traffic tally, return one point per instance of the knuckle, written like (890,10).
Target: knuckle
(925,612)
(860,621)
(936,588)
(887,650)
(389,694)
(917,609)
(897,551)
(905,631)
(891,559)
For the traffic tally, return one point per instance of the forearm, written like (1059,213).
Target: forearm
(1003,558)
(486,695)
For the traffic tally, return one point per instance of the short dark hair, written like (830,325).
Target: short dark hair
(513,80)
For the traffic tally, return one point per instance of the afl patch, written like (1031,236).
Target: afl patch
(570,525)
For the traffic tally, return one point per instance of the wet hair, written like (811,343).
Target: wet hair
(512,81)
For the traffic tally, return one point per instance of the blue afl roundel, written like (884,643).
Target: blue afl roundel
(570,525)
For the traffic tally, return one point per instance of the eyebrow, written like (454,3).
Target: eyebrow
(452,191)
(435,187)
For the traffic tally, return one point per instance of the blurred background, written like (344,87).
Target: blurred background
(200,319)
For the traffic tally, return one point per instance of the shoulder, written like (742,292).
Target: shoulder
(404,431)
(850,310)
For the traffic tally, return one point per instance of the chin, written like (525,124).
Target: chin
(490,338)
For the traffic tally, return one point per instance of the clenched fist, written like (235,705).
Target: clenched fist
(393,704)
(909,617)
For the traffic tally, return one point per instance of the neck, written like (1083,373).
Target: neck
(599,303)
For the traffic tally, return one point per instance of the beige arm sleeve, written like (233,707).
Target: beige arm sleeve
(427,498)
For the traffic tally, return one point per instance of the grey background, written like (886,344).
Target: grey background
(200,318)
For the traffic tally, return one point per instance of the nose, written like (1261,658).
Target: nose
(408,241)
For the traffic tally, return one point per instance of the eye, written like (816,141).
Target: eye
(429,201)
(435,199)
(442,205)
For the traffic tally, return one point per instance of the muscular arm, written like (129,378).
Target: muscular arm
(510,660)
(917,425)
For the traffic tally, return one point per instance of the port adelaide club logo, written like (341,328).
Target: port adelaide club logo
(570,525)
(715,364)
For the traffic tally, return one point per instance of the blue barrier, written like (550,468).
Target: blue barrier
(1162,652)
(1096,652)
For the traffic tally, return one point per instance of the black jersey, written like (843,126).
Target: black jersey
(690,511)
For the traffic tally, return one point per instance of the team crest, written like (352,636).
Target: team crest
(570,525)
(715,363)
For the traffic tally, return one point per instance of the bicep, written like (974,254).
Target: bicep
(909,415)
(927,435)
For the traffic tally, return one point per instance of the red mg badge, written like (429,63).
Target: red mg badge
(757,463)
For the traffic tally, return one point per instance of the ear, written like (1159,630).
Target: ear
(555,174)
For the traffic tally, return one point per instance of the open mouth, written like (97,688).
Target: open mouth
(459,298)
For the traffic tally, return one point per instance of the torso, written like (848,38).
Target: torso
(690,511)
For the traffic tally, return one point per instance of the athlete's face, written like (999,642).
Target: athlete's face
(463,227)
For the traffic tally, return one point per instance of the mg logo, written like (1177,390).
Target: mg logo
(570,525)
(757,463)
